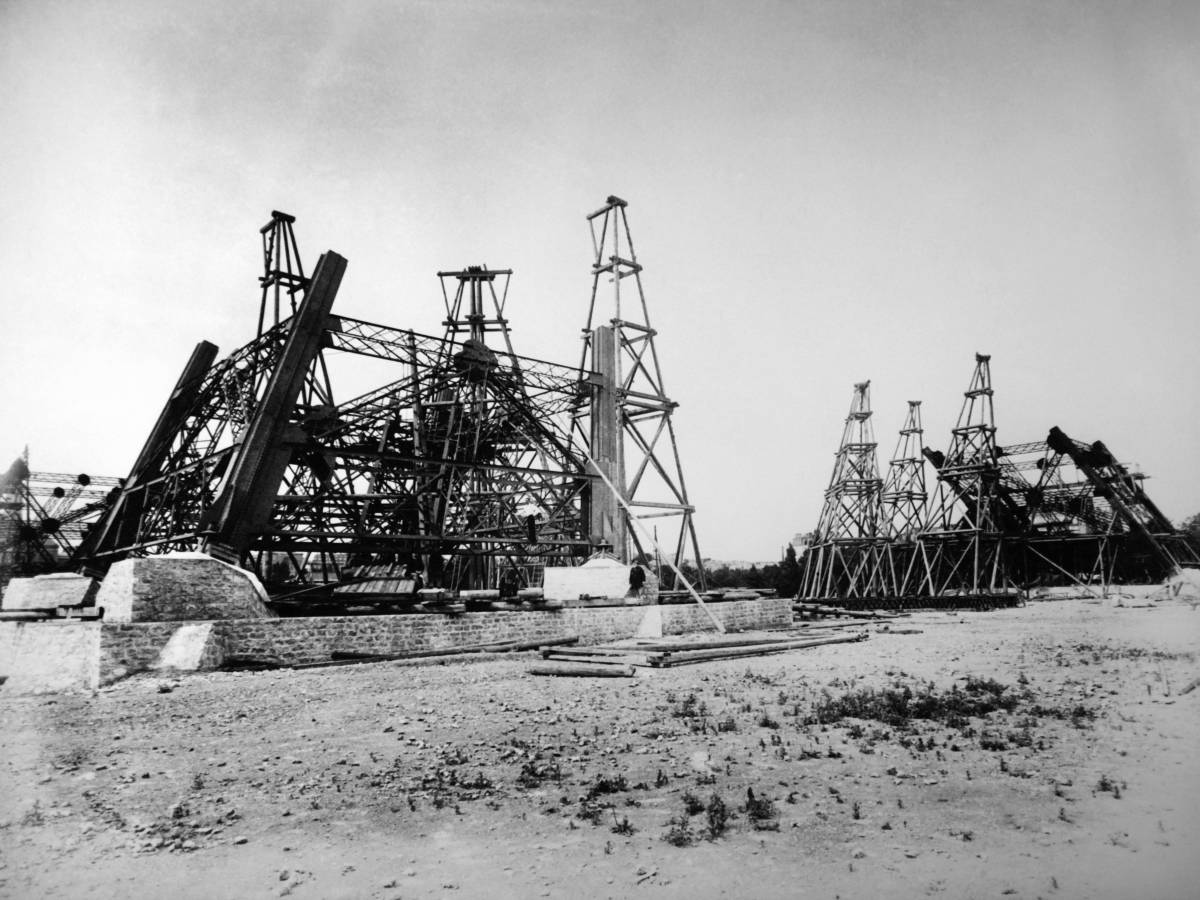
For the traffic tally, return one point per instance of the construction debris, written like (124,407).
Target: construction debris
(666,653)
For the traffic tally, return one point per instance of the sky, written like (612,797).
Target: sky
(820,193)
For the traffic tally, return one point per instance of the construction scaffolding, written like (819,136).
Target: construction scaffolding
(44,517)
(1002,519)
(627,425)
(458,472)
(844,560)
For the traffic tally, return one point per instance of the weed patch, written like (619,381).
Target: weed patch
(761,812)
(900,705)
(717,815)
(679,832)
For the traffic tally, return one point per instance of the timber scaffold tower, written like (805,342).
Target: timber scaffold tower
(628,426)
(1003,519)
(969,514)
(845,560)
(903,504)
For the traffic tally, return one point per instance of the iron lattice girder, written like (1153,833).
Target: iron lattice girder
(466,460)
(44,516)
(345,477)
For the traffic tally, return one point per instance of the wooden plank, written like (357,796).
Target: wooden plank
(670,659)
(581,670)
(593,651)
(639,660)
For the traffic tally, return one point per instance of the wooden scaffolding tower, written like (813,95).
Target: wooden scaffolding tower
(628,425)
(846,559)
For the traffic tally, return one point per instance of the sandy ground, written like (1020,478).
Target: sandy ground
(479,780)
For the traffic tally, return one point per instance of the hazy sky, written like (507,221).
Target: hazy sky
(820,193)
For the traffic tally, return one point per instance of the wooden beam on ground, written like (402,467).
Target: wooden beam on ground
(581,670)
(695,656)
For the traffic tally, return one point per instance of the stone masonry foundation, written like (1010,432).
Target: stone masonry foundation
(82,655)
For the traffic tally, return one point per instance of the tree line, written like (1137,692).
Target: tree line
(783,576)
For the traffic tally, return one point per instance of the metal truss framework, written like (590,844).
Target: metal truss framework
(460,466)
(628,426)
(1002,518)
(44,516)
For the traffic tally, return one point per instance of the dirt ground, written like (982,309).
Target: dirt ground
(876,770)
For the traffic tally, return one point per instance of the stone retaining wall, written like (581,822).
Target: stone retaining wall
(179,587)
(126,648)
(87,654)
(49,656)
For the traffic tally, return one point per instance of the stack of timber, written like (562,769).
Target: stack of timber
(715,595)
(809,610)
(618,660)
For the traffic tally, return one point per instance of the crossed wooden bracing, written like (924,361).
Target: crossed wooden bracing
(1000,518)
(646,463)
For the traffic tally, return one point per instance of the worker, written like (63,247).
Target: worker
(637,578)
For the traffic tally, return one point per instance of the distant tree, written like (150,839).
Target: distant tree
(787,578)
(754,578)
(722,577)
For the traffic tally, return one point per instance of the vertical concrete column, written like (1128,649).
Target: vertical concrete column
(607,520)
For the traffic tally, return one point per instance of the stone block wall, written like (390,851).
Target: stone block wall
(303,640)
(48,591)
(65,655)
(180,588)
(314,639)
(37,657)
(737,615)
(129,647)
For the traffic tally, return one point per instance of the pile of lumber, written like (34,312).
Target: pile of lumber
(618,660)
(806,609)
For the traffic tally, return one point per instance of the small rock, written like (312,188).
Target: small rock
(241,840)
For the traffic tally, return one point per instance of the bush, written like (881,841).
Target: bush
(761,812)
(679,832)
(718,817)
